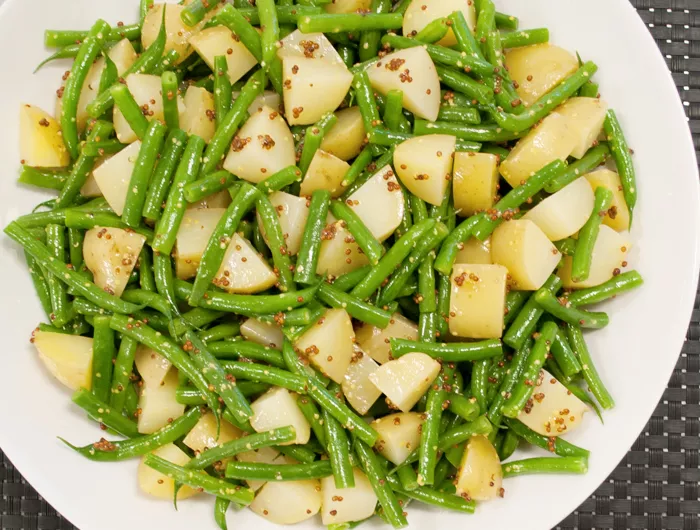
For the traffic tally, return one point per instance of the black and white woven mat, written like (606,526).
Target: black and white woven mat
(656,485)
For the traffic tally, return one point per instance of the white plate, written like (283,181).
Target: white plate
(635,354)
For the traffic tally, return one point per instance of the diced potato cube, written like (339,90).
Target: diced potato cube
(219,40)
(333,258)
(618,217)
(243,270)
(67,357)
(205,435)
(40,139)
(152,366)
(424,165)
(420,13)
(326,172)
(329,344)
(399,435)
(475,183)
(177,33)
(198,117)
(278,408)
(478,301)
(358,389)
(375,341)
(114,175)
(293,212)
(347,137)
(288,502)
(161,486)
(192,237)
(475,252)
(158,404)
(379,203)
(347,504)
(263,333)
(405,380)
(308,45)
(586,116)
(480,476)
(348,6)
(264,455)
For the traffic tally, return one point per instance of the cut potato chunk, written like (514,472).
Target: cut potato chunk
(288,502)
(220,199)
(90,188)
(538,69)
(424,165)
(524,249)
(159,485)
(405,380)
(220,40)
(347,504)
(67,357)
(618,217)
(375,341)
(475,252)
(348,6)
(152,366)
(114,175)
(263,333)
(263,146)
(264,455)
(278,408)
(552,410)
(313,87)
(358,389)
(480,476)
(339,253)
(609,258)
(243,270)
(399,435)
(412,71)
(198,118)
(554,139)
(40,139)
(308,45)
(326,172)
(475,183)
(192,237)
(565,212)
(420,13)
(205,435)
(478,301)
(586,117)
(177,33)
(329,344)
(158,404)
(379,203)
(293,212)
(266,99)
(347,137)
(111,255)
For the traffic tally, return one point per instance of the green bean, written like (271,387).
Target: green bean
(566,246)
(280,180)
(590,374)
(338,447)
(166,63)
(433,32)
(355,307)
(485,22)
(170,93)
(427,327)
(162,176)
(278,246)
(209,185)
(393,112)
(145,266)
(107,147)
(622,155)
(384,137)
(286,14)
(372,248)
(465,85)
(510,444)
(617,285)
(589,90)
(82,220)
(123,369)
(466,42)
(269,23)
(593,158)
(313,138)
(104,414)
(350,280)
(349,22)
(453,244)
(307,260)
(221,507)
(192,397)
(465,408)
(265,374)
(366,101)
(475,133)
(463,115)
(66,52)
(569,314)
(220,332)
(528,37)
(43,178)
(407,478)
(103,354)
(347,53)
(564,356)
(61,309)
(58,215)
(515,300)
(368,46)
(313,416)
(278,473)
(40,286)
(222,88)
(583,255)
(148,299)
(58,38)
(512,376)
(427,448)
(435,497)
(196,10)
(452,352)
(427,285)
(556,445)
(130,109)
(534,466)
(479,383)
(196,318)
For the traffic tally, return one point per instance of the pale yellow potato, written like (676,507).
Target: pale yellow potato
(218,40)
(198,118)
(477,301)
(158,404)
(609,257)
(161,486)
(344,505)
(329,344)
(405,380)
(538,69)
(151,365)
(308,45)
(194,233)
(358,389)
(348,6)
(412,71)
(475,182)
(206,435)
(40,139)
(90,188)
(67,357)
(375,341)
(293,212)
(553,139)
(424,165)
(420,13)
(278,408)
(177,34)
(326,172)
(475,252)
(586,117)
(288,502)
(111,255)
(552,410)
(313,87)
(264,455)
(268,98)
(220,199)
(379,203)
(114,175)
(347,137)
(565,212)
(123,55)
(480,476)
(263,333)
(399,435)
(243,269)
(618,217)
(333,258)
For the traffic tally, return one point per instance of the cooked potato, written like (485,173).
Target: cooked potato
(358,389)
(480,476)
(475,182)
(375,341)
(586,117)
(293,212)
(198,118)
(421,91)
(347,137)
(220,199)
(475,252)
(262,147)
(329,344)
(192,237)
(618,217)
(266,99)
(399,435)
(523,248)
(159,485)
(308,45)
(347,504)
(264,455)
(313,87)
(288,502)
(538,69)
(67,357)
(326,172)
(40,139)
(177,32)
(609,258)
(420,13)
(339,254)
(348,6)
(405,380)
(111,255)
(564,213)
(114,175)
(379,203)
(243,270)
(554,139)
(278,408)
(158,404)
(90,188)
(152,366)
(219,40)
(424,165)
(263,333)
(206,435)
(478,301)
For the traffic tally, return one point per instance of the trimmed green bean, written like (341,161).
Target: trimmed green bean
(61,312)
(160,181)
(450,352)
(583,255)
(313,416)
(338,447)
(617,285)
(464,115)
(556,445)
(590,374)
(103,356)
(436,402)
(276,242)
(123,370)
(355,307)
(209,185)
(307,260)
(265,374)
(372,248)
(40,285)
(593,158)
(170,93)
(622,155)
(220,332)
(278,472)
(569,314)
(196,10)
(528,37)
(132,112)
(43,178)
(454,243)
(349,22)
(58,38)
(564,355)
(222,89)
(466,85)
(104,414)
(221,507)
(535,466)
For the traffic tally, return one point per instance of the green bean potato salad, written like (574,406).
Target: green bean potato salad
(326,257)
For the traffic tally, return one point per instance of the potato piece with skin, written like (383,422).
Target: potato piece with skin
(475,182)
(348,6)
(205,435)
(329,344)
(554,139)
(40,139)
(67,357)
(344,505)
(565,212)
(264,455)
(477,301)
(111,255)
(405,380)
(177,32)
(412,71)
(326,172)
(218,40)
(480,476)
(293,212)
(194,233)
(288,502)
(278,408)
(347,137)
(308,45)
(358,389)
(379,203)
(420,13)
(339,253)
(263,333)
(586,116)
(618,217)
(158,404)
(262,147)
(159,485)
(399,435)
(114,175)
(243,270)
(538,69)
(375,341)
(198,118)
(524,249)
(152,366)
(475,252)
(424,165)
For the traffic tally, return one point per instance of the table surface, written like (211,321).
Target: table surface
(656,485)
